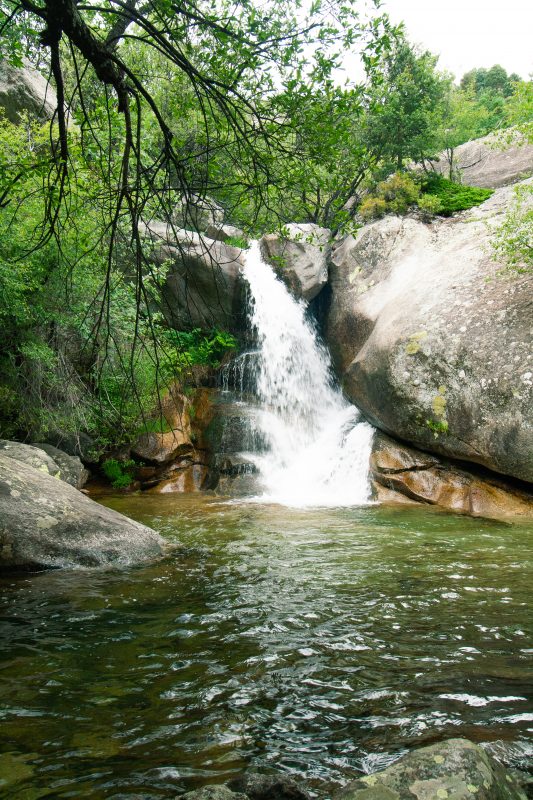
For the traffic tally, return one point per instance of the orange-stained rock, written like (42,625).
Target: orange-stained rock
(190,479)
(400,472)
(162,448)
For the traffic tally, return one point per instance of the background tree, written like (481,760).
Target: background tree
(406,93)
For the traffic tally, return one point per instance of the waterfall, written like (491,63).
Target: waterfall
(316,446)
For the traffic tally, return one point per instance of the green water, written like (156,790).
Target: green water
(319,643)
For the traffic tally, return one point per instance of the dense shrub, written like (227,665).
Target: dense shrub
(453,196)
(394,195)
(119,473)
(373,208)
(429,205)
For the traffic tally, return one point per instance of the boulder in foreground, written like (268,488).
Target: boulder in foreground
(452,770)
(45,522)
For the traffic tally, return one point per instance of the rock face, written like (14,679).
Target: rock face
(432,344)
(204,286)
(222,232)
(32,455)
(456,769)
(71,469)
(162,448)
(489,163)
(401,473)
(199,214)
(300,260)
(45,522)
(25,89)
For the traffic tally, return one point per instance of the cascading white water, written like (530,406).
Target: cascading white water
(317,446)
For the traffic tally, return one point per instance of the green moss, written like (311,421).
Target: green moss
(413,345)
(441,426)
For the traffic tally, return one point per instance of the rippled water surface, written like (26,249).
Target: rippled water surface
(314,642)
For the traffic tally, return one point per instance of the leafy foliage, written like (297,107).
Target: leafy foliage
(120,474)
(197,348)
(513,242)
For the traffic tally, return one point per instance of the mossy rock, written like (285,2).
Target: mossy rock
(456,769)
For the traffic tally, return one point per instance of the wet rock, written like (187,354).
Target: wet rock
(32,455)
(300,259)
(269,787)
(401,473)
(452,770)
(232,428)
(212,793)
(24,89)
(492,161)
(241,485)
(45,522)
(431,343)
(71,469)
(204,287)
(192,478)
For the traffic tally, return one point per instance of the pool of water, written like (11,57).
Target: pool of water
(319,643)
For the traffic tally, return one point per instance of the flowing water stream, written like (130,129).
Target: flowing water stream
(318,642)
(302,630)
(314,448)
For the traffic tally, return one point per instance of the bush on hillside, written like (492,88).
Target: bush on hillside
(453,196)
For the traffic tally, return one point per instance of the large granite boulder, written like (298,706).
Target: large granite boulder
(455,769)
(401,473)
(25,89)
(71,469)
(204,287)
(299,258)
(33,455)
(45,522)
(432,342)
(48,459)
(492,161)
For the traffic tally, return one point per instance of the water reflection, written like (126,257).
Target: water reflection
(317,642)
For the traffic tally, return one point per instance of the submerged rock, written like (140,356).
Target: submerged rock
(452,770)
(45,522)
(432,344)
(300,258)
